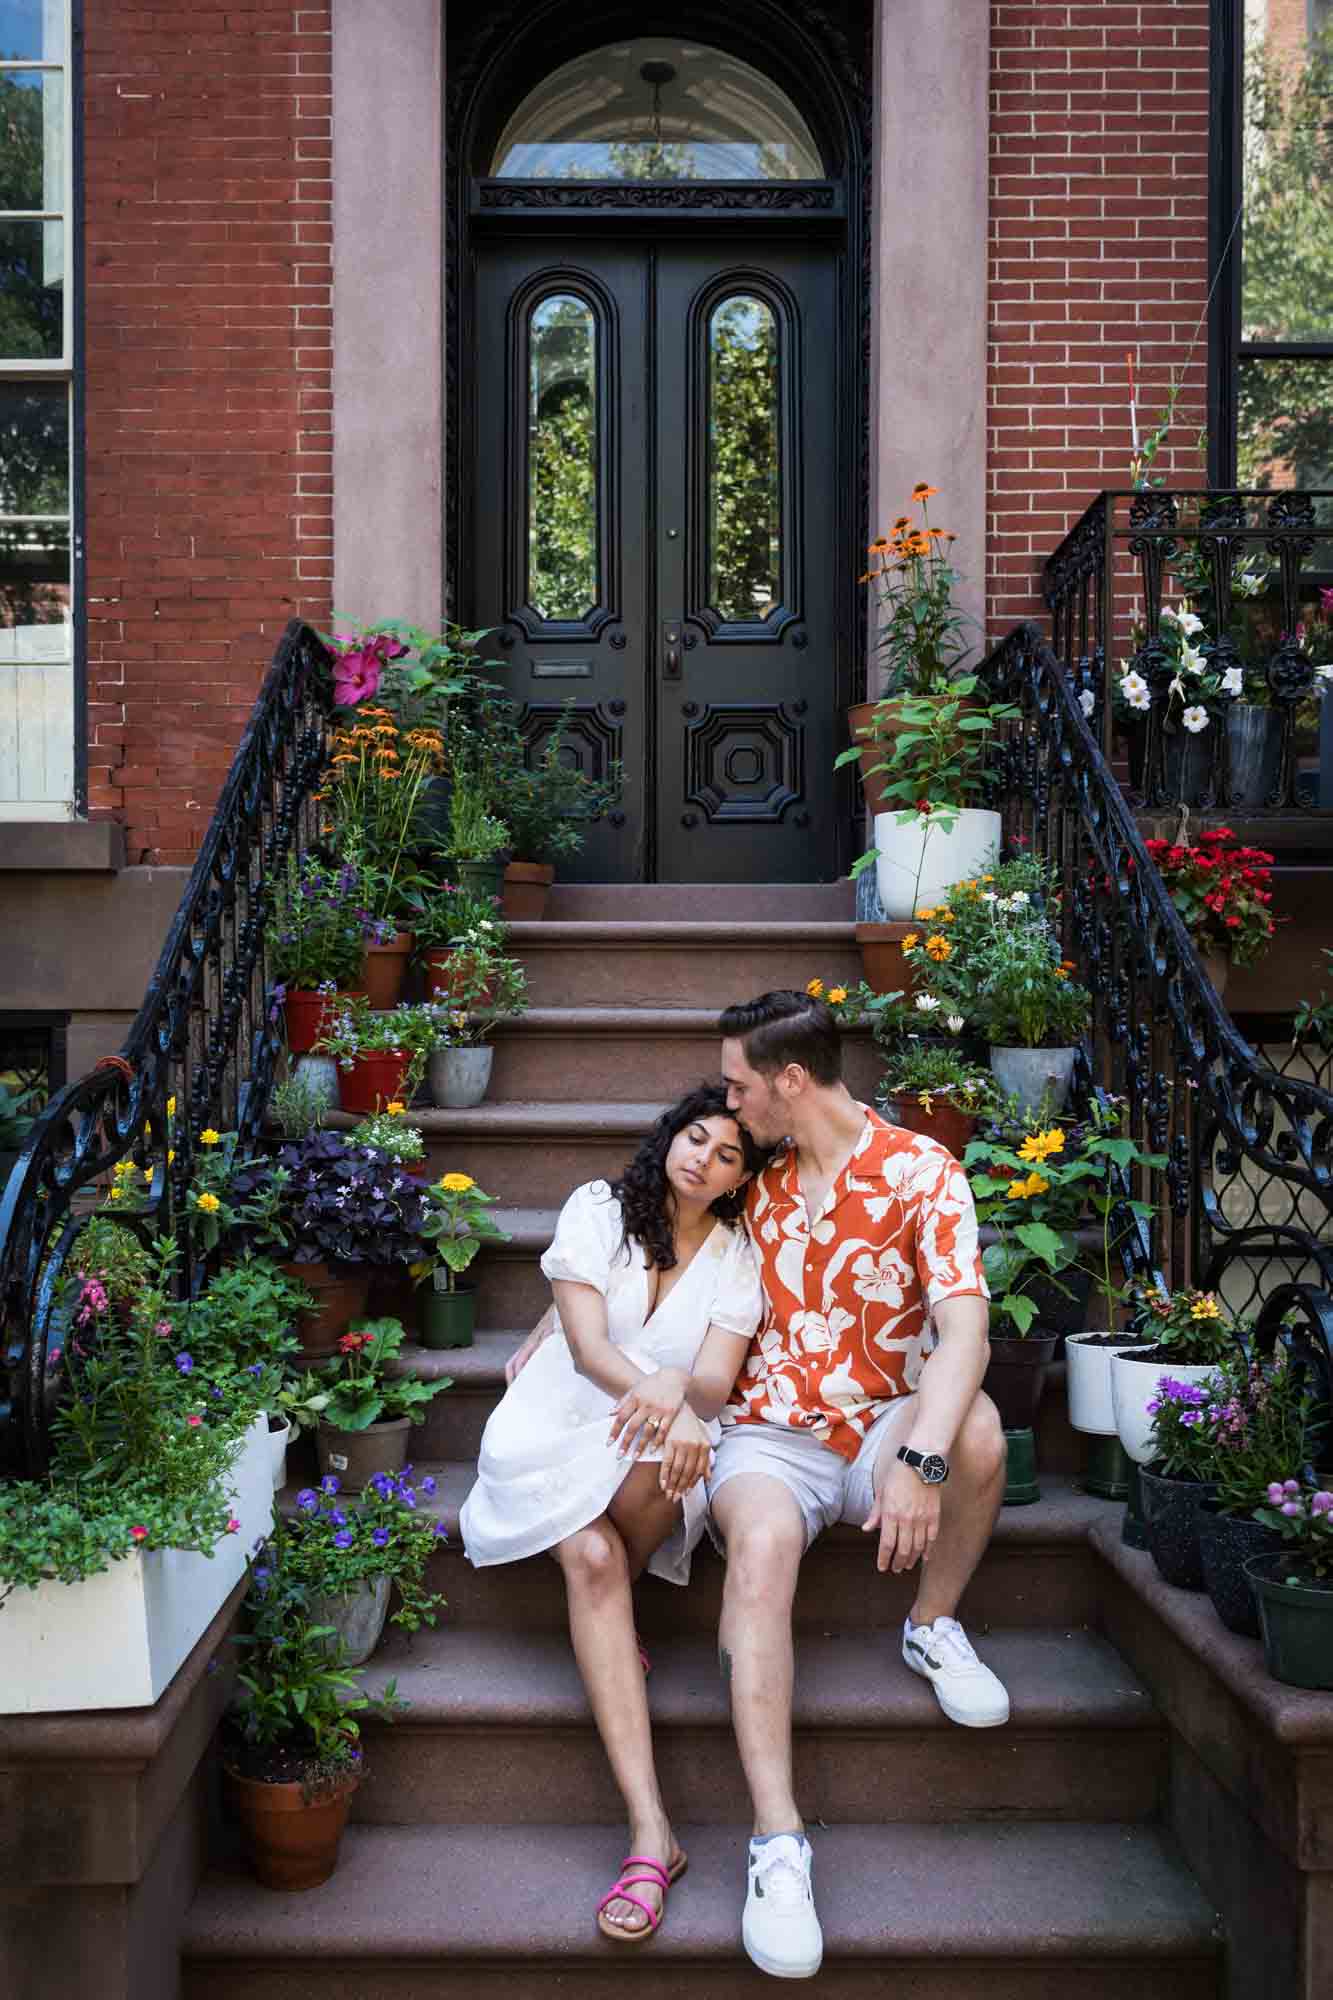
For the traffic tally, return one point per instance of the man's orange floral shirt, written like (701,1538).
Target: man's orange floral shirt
(847,1300)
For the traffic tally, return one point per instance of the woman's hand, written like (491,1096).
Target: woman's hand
(645,1413)
(685,1455)
(519,1360)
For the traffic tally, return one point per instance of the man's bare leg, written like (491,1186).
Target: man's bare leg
(765,1539)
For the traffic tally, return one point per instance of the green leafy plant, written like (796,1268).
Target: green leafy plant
(238,1335)
(1303,1516)
(18,1115)
(360,1389)
(939,760)
(456,1228)
(476,833)
(1314,1018)
(115,1255)
(1189,1327)
(927,1070)
(296,1107)
(317,931)
(547,804)
(358,1029)
(922,634)
(449,913)
(482,983)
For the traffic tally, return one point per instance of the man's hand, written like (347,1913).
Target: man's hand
(645,1413)
(907,1514)
(685,1455)
(519,1360)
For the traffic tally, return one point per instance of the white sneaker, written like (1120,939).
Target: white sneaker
(965,1687)
(780,1929)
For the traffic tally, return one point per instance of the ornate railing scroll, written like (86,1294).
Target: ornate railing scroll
(1132,553)
(203,1039)
(1160,1037)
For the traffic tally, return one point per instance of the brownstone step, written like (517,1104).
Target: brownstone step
(679,964)
(696,902)
(1001,1912)
(532,1155)
(496,1732)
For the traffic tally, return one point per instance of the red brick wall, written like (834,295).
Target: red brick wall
(208,236)
(1098,245)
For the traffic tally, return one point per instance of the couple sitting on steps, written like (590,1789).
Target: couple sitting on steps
(778,1258)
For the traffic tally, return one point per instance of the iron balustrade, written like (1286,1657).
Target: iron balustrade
(1105,587)
(204,1037)
(1246,1198)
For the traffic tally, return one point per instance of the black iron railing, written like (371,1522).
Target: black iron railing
(1249,564)
(201,1053)
(1246,1201)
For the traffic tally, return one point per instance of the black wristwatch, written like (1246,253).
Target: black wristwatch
(927,1465)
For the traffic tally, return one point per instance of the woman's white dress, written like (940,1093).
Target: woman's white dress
(546,1466)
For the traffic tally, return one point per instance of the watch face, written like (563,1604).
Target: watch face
(934,1469)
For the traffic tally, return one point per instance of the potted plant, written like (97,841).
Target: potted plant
(347,1558)
(936,1091)
(1262,1440)
(334,1210)
(1182,1441)
(921,634)
(388,1132)
(297,1103)
(931,833)
(477,837)
(139,1531)
(18,1115)
(290,1744)
(316,940)
(381,1055)
(455,1229)
(546,804)
(1223,893)
(1294,1589)
(1185,1334)
(1032,1013)
(364,1424)
(238,1335)
(475,983)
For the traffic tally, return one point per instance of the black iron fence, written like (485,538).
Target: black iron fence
(1245,1203)
(1194,627)
(201,1054)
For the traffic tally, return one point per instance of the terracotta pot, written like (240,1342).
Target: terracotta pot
(1014,1377)
(374,1081)
(356,1456)
(888,725)
(527,885)
(340,1297)
(882,961)
(446,976)
(293,1842)
(944,1121)
(307,1014)
(385,968)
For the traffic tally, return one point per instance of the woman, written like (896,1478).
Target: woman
(598,1450)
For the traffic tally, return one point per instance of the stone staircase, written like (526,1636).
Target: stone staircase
(1018,1864)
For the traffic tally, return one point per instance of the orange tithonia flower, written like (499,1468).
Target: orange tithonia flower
(938,948)
(921,491)
(880,543)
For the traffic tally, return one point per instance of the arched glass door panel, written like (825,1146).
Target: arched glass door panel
(744,445)
(562,498)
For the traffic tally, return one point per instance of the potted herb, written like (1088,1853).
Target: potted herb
(1185,1334)
(1262,1433)
(1223,892)
(456,1228)
(364,1424)
(935,1091)
(1295,1589)
(477,838)
(297,1104)
(1032,1013)
(348,1557)
(546,804)
(290,1744)
(316,940)
(381,1055)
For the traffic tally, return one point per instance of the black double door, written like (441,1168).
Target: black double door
(654,497)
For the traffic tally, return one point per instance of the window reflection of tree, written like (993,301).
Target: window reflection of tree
(744,563)
(562,460)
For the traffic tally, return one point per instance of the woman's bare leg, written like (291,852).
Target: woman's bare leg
(598,1573)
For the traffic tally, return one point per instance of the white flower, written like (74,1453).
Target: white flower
(1169,614)
(1177,687)
(1233,680)
(926,1003)
(1135,691)
(1189,623)
(1195,719)
(1087,701)
(989,896)
(1325,673)
(1192,660)
(1019,899)
(954,1023)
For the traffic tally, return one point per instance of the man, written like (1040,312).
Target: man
(845,1410)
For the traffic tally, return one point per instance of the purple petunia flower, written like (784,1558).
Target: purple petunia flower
(380,1537)
(1292,1508)
(330,1483)
(256,1368)
(338,1518)
(440,1531)
(185,1362)
(428,1486)
(307,1500)
(343,1540)
(1321,1503)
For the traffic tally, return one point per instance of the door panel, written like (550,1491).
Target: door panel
(655,503)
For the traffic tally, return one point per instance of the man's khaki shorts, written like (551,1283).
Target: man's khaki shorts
(825,1486)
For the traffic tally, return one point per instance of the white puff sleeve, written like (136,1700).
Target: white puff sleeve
(587,1238)
(738,1302)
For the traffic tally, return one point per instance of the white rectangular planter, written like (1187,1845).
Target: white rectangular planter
(116,1640)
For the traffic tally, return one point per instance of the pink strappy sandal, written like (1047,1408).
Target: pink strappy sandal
(657,1877)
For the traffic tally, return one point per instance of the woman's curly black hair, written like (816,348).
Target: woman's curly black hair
(643,1191)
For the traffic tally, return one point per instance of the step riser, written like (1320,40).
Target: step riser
(561,1776)
(656,1977)
(511,1290)
(702,902)
(839,1590)
(535,1066)
(670,974)
(524,1171)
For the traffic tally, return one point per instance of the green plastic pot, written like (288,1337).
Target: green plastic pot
(1020,1481)
(448,1318)
(1296,1618)
(480,878)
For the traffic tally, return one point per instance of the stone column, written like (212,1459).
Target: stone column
(928,285)
(388,359)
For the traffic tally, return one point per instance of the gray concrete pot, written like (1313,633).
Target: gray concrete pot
(1254,743)
(459,1078)
(1034,1074)
(356,1615)
(320,1075)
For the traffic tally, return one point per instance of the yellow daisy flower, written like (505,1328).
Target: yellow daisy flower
(814,988)
(1039,1146)
(1206,1308)
(209,1203)
(1021,1190)
(456,1183)
(837,994)
(925,916)
(208,1137)
(396,1109)
(171,1107)
(911,941)
(938,947)
(116,1193)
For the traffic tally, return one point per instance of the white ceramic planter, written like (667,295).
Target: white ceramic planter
(1134,1386)
(920,863)
(459,1077)
(1088,1381)
(278,1442)
(1034,1076)
(117,1639)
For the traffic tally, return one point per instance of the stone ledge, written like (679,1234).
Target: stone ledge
(87,845)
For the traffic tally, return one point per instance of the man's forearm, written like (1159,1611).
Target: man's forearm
(952,1375)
